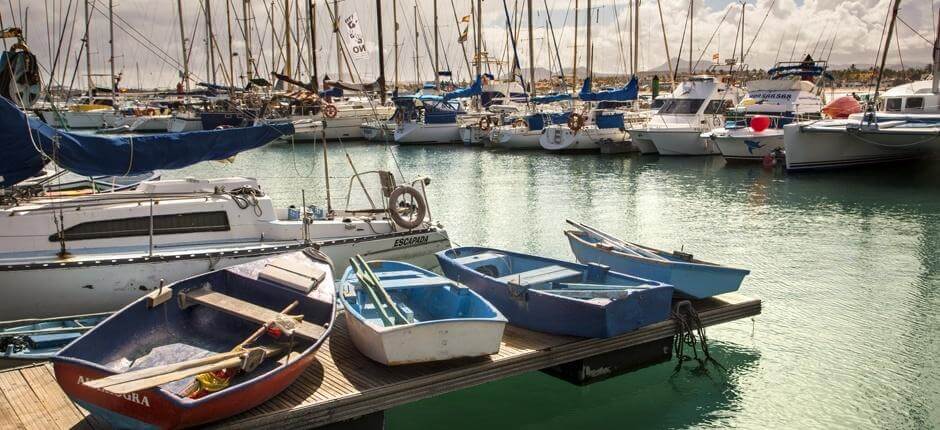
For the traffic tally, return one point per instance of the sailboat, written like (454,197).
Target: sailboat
(907,125)
(599,125)
(69,255)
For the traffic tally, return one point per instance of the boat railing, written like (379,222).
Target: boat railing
(378,198)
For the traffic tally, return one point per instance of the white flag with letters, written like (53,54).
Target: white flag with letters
(355,43)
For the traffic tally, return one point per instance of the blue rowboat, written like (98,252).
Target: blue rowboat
(443,319)
(30,341)
(690,277)
(558,297)
(204,348)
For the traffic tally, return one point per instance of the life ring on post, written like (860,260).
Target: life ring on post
(486,123)
(407,207)
(330,111)
(575,121)
(520,123)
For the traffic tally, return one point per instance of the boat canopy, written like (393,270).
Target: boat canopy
(26,143)
(433,108)
(628,92)
(473,90)
(550,98)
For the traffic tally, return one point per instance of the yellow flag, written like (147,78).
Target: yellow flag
(465,19)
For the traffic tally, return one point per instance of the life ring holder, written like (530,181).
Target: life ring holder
(576,122)
(330,111)
(417,206)
(485,123)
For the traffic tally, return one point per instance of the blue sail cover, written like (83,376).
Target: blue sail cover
(628,92)
(473,90)
(551,98)
(22,139)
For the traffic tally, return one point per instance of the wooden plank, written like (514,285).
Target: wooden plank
(44,386)
(540,275)
(250,311)
(8,418)
(24,402)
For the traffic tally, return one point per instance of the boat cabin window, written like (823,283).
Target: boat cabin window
(718,106)
(657,103)
(893,104)
(682,106)
(914,103)
(196,222)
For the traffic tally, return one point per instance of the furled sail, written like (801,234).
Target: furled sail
(551,98)
(473,90)
(628,92)
(349,86)
(24,142)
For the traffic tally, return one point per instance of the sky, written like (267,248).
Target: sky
(148,50)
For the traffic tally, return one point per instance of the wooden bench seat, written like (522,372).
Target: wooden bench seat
(249,311)
(541,275)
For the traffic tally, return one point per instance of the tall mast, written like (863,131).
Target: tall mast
(884,52)
(312,17)
(574,60)
(659,5)
(273,37)
(531,54)
(479,37)
(339,47)
(210,43)
(636,37)
(111,42)
(417,65)
(589,61)
(249,62)
(231,55)
(91,83)
(179,7)
(936,59)
(395,37)
(287,46)
(691,20)
(378,20)
(437,67)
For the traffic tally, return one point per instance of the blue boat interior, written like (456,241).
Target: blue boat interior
(140,336)
(590,238)
(43,339)
(420,295)
(518,271)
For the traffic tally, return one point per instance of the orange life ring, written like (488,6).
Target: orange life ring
(330,111)
(486,123)
(520,123)
(575,121)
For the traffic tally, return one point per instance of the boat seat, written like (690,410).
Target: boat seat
(478,257)
(301,277)
(415,282)
(541,275)
(242,309)
(398,274)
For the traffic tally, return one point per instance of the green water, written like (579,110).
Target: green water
(847,264)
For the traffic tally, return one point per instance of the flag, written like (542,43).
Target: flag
(352,32)
(463,36)
(465,19)
(715,57)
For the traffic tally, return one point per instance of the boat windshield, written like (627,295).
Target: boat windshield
(682,106)
(893,104)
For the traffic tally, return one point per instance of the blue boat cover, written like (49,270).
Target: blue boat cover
(628,92)
(332,92)
(436,109)
(473,90)
(609,120)
(24,141)
(551,98)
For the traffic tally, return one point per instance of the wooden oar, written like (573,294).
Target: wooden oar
(374,283)
(621,245)
(371,294)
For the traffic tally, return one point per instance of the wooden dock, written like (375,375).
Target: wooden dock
(343,384)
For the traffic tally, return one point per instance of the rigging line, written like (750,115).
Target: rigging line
(463,45)
(759,27)
(915,31)
(129,29)
(561,68)
(799,30)
(685,27)
(718,27)
(58,52)
(884,29)
(623,60)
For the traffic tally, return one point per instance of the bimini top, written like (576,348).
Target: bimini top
(27,143)
(473,90)
(628,92)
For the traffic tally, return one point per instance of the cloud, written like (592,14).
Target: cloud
(792,29)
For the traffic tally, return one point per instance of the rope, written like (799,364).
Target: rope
(247,196)
(690,332)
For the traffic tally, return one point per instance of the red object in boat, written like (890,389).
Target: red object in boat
(842,107)
(760,123)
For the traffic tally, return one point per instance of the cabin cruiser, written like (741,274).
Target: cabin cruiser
(696,106)
(906,126)
(94,253)
(754,129)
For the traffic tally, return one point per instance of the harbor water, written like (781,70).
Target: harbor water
(847,264)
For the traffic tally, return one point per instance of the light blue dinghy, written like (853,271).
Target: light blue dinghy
(397,313)
(30,341)
(690,277)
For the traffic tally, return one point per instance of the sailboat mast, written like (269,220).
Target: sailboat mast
(231,55)
(479,37)
(884,51)
(417,64)
(339,47)
(936,59)
(437,67)
(531,55)
(179,7)
(662,23)
(91,82)
(312,17)
(636,36)
(111,42)
(288,59)
(210,43)
(395,37)
(574,59)
(589,61)
(250,62)
(378,20)
(691,20)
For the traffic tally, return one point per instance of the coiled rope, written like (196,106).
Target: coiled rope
(690,332)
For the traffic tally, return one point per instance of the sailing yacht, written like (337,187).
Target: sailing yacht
(757,128)
(696,106)
(89,113)
(427,117)
(603,124)
(498,97)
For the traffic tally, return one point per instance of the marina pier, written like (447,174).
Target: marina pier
(344,385)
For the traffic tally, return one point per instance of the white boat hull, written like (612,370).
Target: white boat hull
(831,147)
(516,138)
(421,343)
(750,146)
(79,120)
(473,135)
(642,142)
(561,138)
(681,142)
(378,132)
(420,133)
(183,124)
(81,285)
